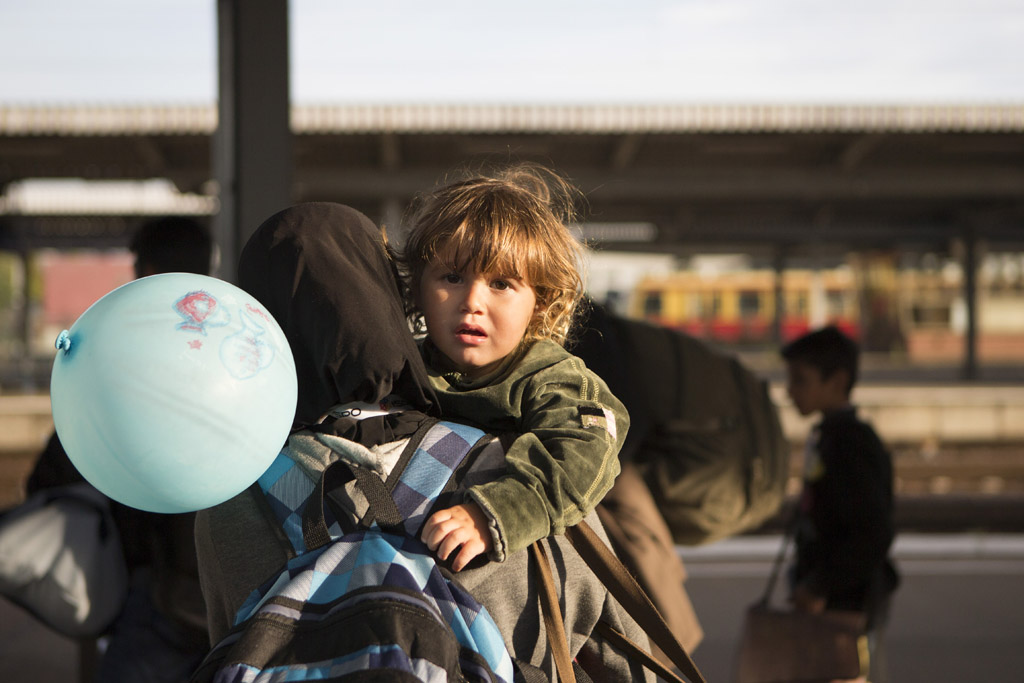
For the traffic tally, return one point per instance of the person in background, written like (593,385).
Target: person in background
(844,526)
(160,635)
(173,244)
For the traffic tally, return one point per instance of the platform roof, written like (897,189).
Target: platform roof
(801,176)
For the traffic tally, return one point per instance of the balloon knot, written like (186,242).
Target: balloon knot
(63,341)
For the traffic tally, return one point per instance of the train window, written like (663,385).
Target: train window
(652,304)
(835,303)
(716,304)
(750,303)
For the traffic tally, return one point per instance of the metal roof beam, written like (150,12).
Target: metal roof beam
(795,183)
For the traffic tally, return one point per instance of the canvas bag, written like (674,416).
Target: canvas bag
(703,428)
(364,597)
(789,646)
(785,646)
(61,559)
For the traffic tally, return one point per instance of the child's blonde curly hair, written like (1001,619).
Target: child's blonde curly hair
(512,222)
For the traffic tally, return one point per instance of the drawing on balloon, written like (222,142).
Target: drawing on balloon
(200,310)
(244,354)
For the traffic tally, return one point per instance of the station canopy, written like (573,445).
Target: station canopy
(656,178)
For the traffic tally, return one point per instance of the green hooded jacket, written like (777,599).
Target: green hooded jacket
(567,429)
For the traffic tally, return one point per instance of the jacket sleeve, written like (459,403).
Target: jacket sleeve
(561,464)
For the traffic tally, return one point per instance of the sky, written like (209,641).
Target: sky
(532,51)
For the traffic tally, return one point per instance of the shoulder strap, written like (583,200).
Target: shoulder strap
(552,613)
(382,507)
(624,643)
(400,504)
(383,511)
(624,588)
(773,578)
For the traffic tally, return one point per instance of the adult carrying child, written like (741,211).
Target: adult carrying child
(322,271)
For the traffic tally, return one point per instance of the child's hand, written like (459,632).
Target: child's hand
(461,525)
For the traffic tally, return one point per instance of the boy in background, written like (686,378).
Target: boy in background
(844,519)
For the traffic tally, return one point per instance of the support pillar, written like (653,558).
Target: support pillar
(970,267)
(779,266)
(391,218)
(24,313)
(252,149)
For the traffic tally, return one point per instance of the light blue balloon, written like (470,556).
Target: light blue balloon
(174,392)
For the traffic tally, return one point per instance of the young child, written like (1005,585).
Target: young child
(844,522)
(492,269)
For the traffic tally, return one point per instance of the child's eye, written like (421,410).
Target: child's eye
(452,278)
(500,284)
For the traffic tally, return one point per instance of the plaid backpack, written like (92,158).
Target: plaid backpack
(364,599)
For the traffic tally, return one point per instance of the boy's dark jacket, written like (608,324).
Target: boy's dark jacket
(844,522)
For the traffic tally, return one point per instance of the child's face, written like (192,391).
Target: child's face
(475,319)
(812,393)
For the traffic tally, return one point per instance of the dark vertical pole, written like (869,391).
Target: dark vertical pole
(28,378)
(779,265)
(391,219)
(24,304)
(252,150)
(970,266)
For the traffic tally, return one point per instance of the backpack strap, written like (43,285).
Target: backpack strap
(401,504)
(383,512)
(624,643)
(624,588)
(553,622)
(438,451)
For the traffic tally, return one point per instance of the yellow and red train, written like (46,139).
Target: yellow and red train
(919,314)
(740,307)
